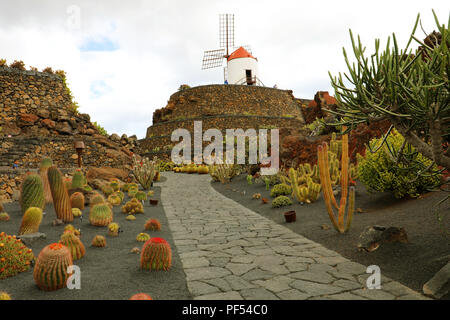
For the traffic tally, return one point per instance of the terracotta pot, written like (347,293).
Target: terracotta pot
(290,216)
(153,202)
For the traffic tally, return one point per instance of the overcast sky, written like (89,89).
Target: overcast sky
(125,58)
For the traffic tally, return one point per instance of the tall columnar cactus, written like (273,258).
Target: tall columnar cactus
(50,271)
(43,168)
(156,254)
(303,187)
(15,257)
(31,221)
(77,200)
(100,215)
(60,196)
(32,193)
(328,195)
(78,180)
(74,244)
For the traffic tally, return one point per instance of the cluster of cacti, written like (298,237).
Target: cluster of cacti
(77,200)
(281,201)
(133,206)
(130,217)
(43,168)
(223,172)
(31,221)
(32,193)
(141,296)
(303,188)
(113,229)
(5,296)
(153,225)
(96,199)
(281,189)
(203,169)
(78,180)
(60,196)
(15,257)
(50,271)
(156,254)
(141,196)
(115,185)
(4,216)
(114,200)
(142,237)
(71,228)
(192,168)
(74,244)
(144,171)
(100,215)
(107,190)
(328,194)
(99,241)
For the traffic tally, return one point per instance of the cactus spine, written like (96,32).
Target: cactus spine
(100,215)
(50,271)
(31,221)
(74,244)
(32,193)
(77,200)
(60,196)
(43,169)
(156,254)
(326,182)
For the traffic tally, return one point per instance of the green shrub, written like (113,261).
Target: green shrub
(17,64)
(281,189)
(100,129)
(281,201)
(379,171)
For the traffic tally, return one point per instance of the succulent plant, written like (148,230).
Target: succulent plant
(156,254)
(43,168)
(130,217)
(77,212)
(78,180)
(120,194)
(71,228)
(4,216)
(133,206)
(15,257)
(150,193)
(87,188)
(107,190)
(100,215)
(144,171)
(281,201)
(74,244)
(96,199)
(77,200)
(99,241)
(5,296)
(114,200)
(132,193)
(153,224)
(249,179)
(113,229)
(115,185)
(32,193)
(281,189)
(202,169)
(31,221)
(142,237)
(141,196)
(141,296)
(60,196)
(256,196)
(50,271)
(125,187)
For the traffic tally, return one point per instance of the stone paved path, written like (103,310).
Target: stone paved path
(230,252)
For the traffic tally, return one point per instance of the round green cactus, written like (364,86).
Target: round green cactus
(31,221)
(141,196)
(281,189)
(100,215)
(74,244)
(142,237)
(78,180)
(281,201)
(97,199)
(32,193)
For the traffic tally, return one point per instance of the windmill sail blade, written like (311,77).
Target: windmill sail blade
(213,59)
(226,30)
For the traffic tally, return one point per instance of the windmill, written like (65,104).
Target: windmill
(241,66)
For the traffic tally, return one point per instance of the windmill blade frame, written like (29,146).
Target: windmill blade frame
(226,31)
(213,59)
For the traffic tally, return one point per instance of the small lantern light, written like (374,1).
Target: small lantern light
(79,146)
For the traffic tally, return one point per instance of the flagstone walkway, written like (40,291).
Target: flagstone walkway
(230,252)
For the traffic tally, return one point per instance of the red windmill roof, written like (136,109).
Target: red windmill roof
(240,53)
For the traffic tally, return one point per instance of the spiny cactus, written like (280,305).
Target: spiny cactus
(281,189)
(125,187)
(151,193)
(107,190)
(132,193)
(5,296)
(31,221)
(115,185)
(97,199)
(43,168)
(133,206)
(120,194)
(130,217)
(141,196)
(114,200)
(77,200)
(142,237)
(113,229)
(156,254)
(77,212)
(99,241)
(153,224)
(32,193)
(60,196)
(144,171)
(223,172)
(78,180)
(72,229)
(202,169)
(4,216)
(50,271)
(100,215)
(141,296)
(15,257)
(74,244)
(281,201)
(304,190)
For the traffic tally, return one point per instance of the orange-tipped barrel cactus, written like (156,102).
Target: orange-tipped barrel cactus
(15,257)
(32,193)
(74,244)
(31,221)
(50,271)
(156,254)
(153,225)
(71,228)
(100,215)
(43,169)
(60,196)
(77,200)
(96,199)
(99,241)
(141,296)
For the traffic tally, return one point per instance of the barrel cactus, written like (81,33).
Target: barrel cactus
(113,229)
(15,257)
(141,196)
(32,193)
(74,244)
(100,215)
(4,216)
(60,196)
(78,180)
(77,200)
(107,190)
(71,228)
(99,241)
(31,221)
(5,296)
(156,254)
(43,168)
(115,185)
(114,200)
(133,206)
(96,199)
(153,225)
(141,296)
(76,212)
(121,195)
(142,237)
(130,217)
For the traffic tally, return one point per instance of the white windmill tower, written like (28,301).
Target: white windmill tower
(242,66)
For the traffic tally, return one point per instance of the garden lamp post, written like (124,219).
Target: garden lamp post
(79,146)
